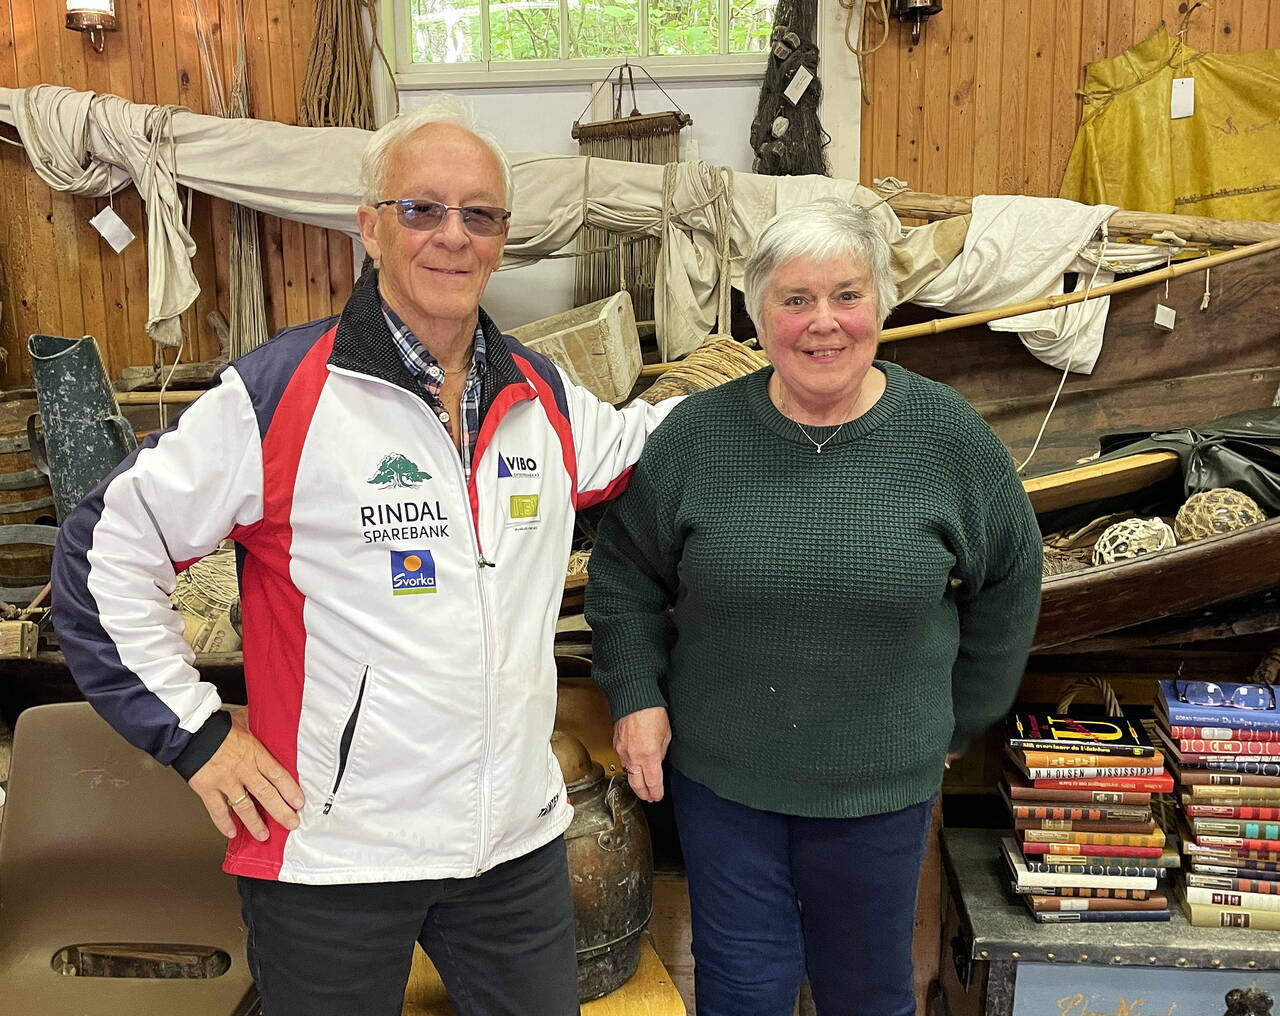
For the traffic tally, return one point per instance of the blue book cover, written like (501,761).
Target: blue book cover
(1098,916)
(1186,715)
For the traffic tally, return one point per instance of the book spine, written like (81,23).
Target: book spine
(1192,758)
(1234,871)
(1237,843)
(1089,916)
(1207,915)
(1219,827)
(1231,812)
(1085,849)
(1052,904)
(1225,733)
(1078,748)
(1062,760)
(1180,715)
(1260,786)
(1245,767)
(1269,750)
(1152,786)
(1228,883)
(1227,855)
(1076,836)
(1057,825)
(1046,813)
(1124,870)
(1084,892)
(1089,772)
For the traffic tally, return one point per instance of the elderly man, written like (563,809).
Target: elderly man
(400,482)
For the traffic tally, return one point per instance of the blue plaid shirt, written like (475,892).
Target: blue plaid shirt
(427,369)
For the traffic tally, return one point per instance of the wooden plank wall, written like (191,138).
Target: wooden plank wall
(987,103)
(56,275)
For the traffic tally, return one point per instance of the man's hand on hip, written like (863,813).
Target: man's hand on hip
(239,776)
(641,740)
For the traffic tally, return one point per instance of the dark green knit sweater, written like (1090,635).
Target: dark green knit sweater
(838,619)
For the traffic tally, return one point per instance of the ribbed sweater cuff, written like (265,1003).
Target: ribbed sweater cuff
(632,696)
(204,742)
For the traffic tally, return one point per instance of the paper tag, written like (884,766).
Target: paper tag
(1165,317)
(1182,99)
(800,80)
(113,229)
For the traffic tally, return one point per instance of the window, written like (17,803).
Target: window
(577,40)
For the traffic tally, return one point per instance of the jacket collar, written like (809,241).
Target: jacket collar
(364,345)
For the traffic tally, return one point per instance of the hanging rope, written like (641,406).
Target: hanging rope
(247,324)
(336,90)
(876,13)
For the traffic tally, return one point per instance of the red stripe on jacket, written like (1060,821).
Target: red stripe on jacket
(274,630)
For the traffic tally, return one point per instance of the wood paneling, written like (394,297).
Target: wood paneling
(56,275)
(988,103)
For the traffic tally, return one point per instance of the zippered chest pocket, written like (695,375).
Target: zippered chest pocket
(345,741)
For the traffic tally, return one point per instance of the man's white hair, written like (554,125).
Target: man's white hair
(440,107)
(825,230)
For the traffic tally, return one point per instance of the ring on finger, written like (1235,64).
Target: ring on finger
(633,772)
(242,797)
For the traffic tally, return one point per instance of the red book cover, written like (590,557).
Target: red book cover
(1020,789)
(1269,750)
(1229,811)
(1271,847)
(1225,733)
(1073,825)
(1085,849)
(1150,784)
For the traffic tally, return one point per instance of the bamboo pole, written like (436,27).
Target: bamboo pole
(1192,228)
(981,317)
(180,397)
(939,325)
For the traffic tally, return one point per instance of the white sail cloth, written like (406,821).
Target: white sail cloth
(707,216)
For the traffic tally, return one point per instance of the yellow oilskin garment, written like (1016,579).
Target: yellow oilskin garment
(1222,161)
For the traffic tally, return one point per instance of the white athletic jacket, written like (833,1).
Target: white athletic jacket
(398,619)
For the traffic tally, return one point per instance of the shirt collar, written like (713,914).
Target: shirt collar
(416,356)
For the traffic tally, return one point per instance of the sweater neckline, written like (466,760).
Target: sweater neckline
(896,383)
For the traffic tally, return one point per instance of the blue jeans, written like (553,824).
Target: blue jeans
(774,896)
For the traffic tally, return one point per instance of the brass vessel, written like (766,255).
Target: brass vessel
(610,870)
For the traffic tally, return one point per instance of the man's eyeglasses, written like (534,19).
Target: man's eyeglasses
(479,220)
(1244,696)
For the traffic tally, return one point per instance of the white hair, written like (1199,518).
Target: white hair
(440,107)
(825,230)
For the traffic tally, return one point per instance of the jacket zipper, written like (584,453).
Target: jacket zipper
(482,562)
(344,744)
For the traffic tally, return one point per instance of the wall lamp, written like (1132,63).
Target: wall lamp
(94,17)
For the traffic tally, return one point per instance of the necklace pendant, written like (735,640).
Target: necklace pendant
(820,448)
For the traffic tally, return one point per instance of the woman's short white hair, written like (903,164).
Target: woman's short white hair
(440,107)
(825,230)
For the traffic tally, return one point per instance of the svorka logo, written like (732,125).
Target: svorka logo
(517,465)
(412,571)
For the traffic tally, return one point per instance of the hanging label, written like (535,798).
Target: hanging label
(113,229)
(1165,317)
(800,80)
(1182,99)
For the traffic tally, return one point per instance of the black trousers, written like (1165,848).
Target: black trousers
(503,942)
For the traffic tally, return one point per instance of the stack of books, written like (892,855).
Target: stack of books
(1086,845)
(1223,743)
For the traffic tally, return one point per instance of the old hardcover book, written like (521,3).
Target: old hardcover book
(1162,784)
(1024,877)
(1021,789)
(1236,812)
(1092,916)
(1225,733)
(1087,732)
(1115,839)
(1231,869)
(1070,825)
(1235,827)
(1154,901)
(1230,898)
(1084,892)
(1185,714)
(1262,886)
(1089,849)
(1209,915)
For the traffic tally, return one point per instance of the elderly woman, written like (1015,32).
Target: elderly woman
(823,579)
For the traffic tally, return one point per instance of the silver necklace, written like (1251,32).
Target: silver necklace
(820,444)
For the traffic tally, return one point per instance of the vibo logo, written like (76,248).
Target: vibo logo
(517,465)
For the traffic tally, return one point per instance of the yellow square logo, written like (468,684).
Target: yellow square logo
(524,506)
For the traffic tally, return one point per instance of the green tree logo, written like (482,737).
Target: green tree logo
(396,470)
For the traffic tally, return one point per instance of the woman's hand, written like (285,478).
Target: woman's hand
(641,740)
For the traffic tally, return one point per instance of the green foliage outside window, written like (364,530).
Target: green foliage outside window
(449,31)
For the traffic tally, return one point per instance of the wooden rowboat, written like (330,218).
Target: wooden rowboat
(1188,577)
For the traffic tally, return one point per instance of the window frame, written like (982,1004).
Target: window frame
(409,76)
